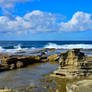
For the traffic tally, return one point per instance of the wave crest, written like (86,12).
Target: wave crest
(69,46)
(18,47)
(13,50)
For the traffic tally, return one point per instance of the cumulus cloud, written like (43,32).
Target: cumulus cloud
(35,21)
(38,21)
(10,3)
(80,22)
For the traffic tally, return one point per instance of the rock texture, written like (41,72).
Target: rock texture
(16,61)
(80,86)
(74,63)
(8,63)
(54,57)
(7,90)
(71,57)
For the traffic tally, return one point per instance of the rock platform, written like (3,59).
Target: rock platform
(80,86)
(74,63)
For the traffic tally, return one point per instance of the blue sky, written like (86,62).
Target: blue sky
(46,20)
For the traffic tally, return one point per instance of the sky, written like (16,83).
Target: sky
(46,20)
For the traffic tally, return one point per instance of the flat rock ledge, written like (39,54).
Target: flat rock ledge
(15,62)
(80,86)
(74,64)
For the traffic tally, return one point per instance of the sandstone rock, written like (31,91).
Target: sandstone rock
(29,59)
(44,60)
(18,62)
(54,57)
(71,57)
(80,86)
(12,66)
(74,63)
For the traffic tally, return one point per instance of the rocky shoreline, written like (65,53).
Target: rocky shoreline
(72,64)
(9,62)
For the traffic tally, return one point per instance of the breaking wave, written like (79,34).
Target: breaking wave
(13,50)
(68,46)
(20,48)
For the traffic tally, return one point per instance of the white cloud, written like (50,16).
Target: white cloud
(10,3)
(35,21)
(80,22)
(38,21)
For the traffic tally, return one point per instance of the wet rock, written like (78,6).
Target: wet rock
(18,62)
(80,86)
(44,60)
(44,52)
(12,66)
(51,49)
(4,67)
(52,58)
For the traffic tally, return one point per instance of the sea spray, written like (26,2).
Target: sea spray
(68,46)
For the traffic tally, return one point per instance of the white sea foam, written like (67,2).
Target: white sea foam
(33,48)
(69,46)
(1,49)
(16,49)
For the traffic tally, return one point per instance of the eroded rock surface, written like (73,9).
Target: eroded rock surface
(71,57)
(54,57)
(17,61)
(74,63)
(80,86)
(9,63)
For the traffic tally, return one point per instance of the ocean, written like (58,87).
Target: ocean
(23,45)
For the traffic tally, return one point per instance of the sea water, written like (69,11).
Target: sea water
(13,46)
